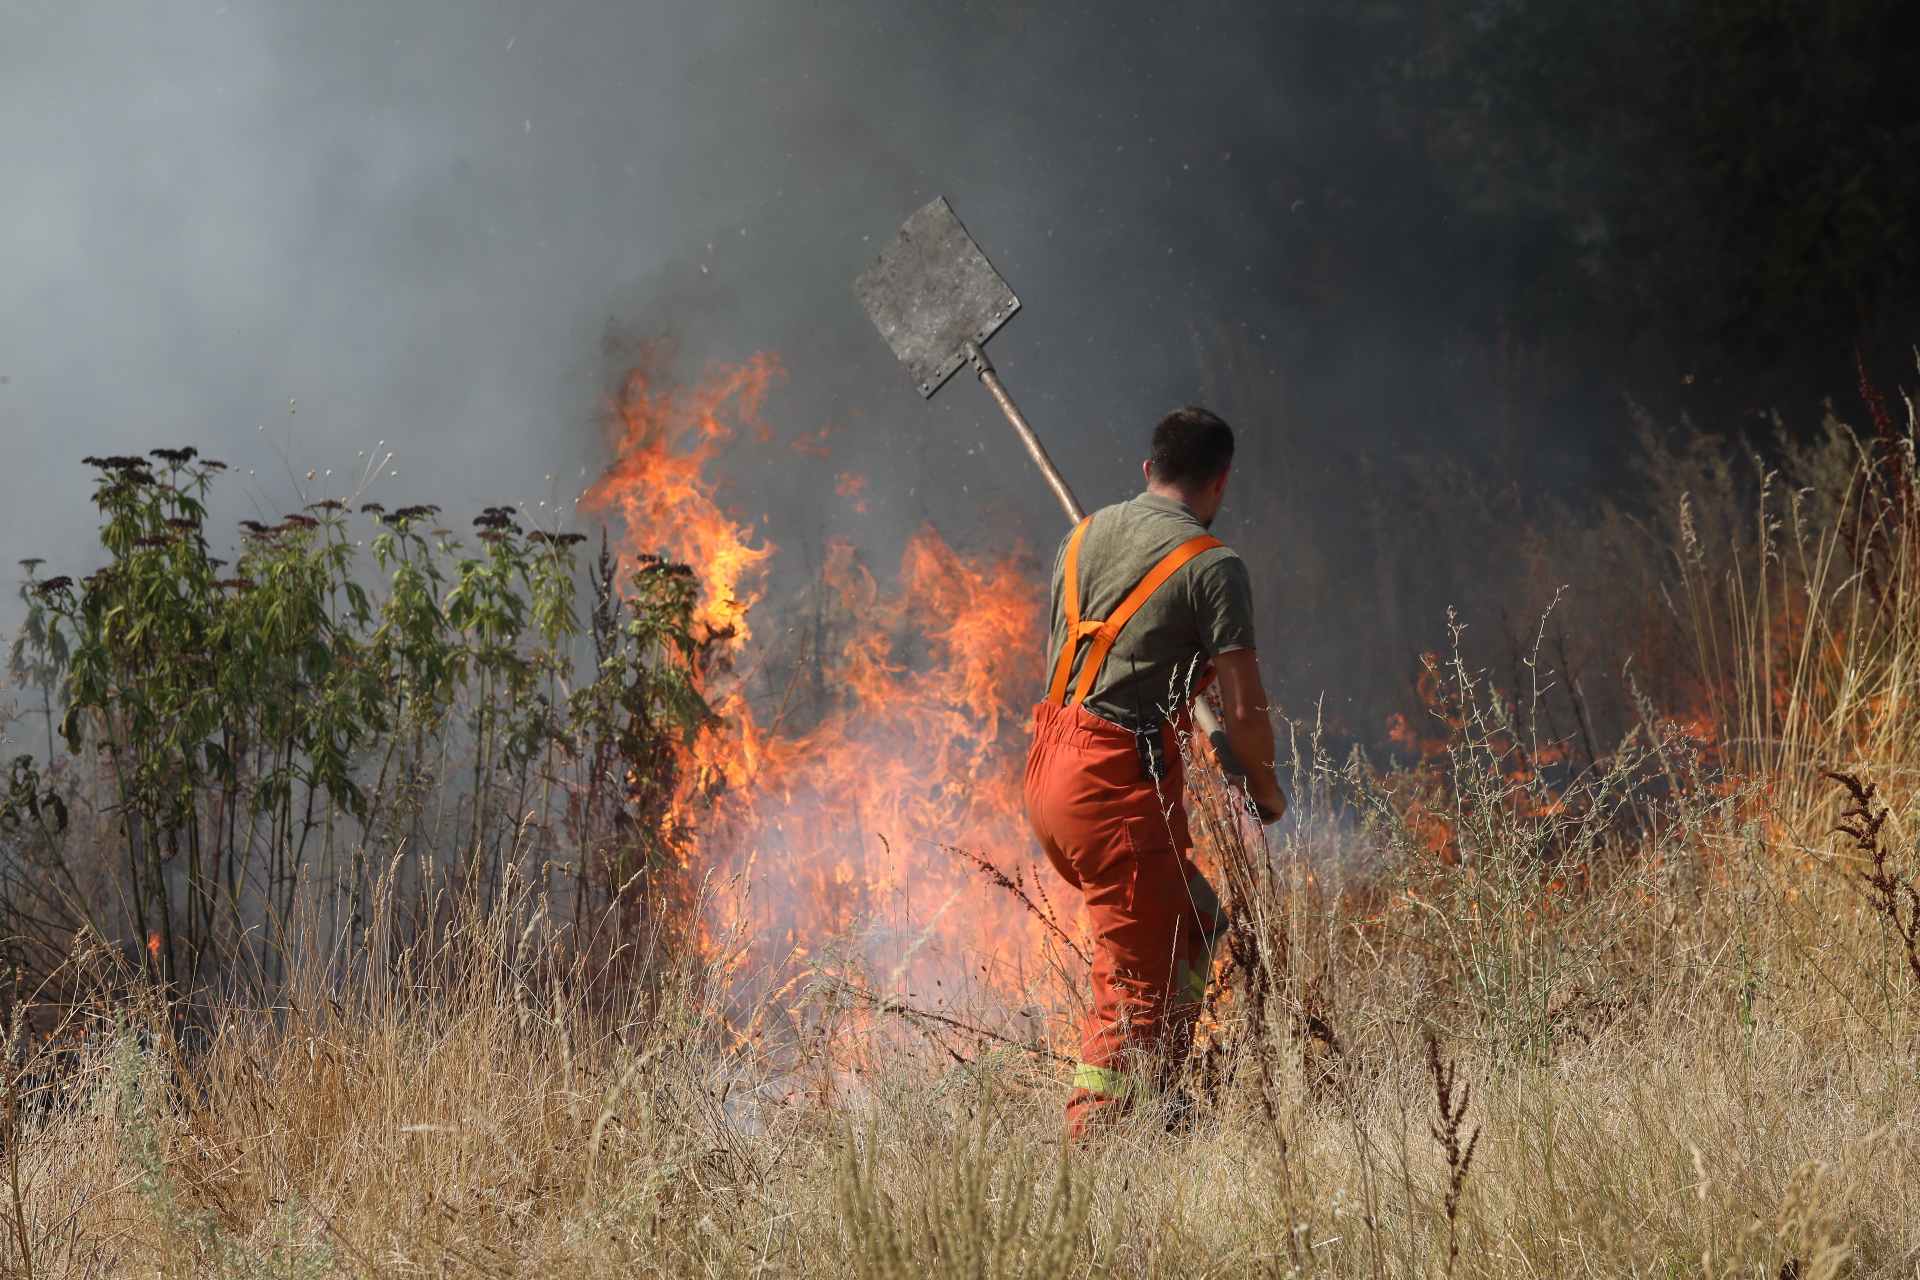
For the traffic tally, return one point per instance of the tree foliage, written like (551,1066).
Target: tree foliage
(1725,177)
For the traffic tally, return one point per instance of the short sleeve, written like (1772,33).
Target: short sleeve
(1223,605)
(1058,584)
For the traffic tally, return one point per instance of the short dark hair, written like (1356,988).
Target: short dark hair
(1191,446)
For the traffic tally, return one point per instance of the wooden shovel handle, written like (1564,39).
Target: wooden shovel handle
(1035,450)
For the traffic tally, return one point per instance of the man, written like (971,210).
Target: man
(1143,601)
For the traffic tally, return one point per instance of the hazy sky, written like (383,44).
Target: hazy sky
(419,218)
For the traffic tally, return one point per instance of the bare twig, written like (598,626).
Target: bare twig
(878,1003)
(1017,886)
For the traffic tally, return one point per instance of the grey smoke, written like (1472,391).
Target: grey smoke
(419,219)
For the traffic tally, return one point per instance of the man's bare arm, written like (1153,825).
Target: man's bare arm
(1243,703)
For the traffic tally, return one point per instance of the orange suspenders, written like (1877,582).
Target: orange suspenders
(1105,632)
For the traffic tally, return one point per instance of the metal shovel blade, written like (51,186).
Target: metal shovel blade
(930,292)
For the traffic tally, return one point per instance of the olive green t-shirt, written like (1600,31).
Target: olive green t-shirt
(1205,608)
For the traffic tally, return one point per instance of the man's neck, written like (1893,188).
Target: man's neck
(1186,498)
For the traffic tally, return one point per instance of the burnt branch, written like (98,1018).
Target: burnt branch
(1446,1132)
(1893,894)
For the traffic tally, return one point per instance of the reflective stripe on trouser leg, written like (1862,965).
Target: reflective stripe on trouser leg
(1102,1080)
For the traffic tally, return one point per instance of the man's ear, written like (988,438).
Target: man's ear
(1146,471)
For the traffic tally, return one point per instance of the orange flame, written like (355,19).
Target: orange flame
(846,823)
(849,487)
(657,486)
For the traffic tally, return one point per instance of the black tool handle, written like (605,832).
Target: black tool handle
(1216,733)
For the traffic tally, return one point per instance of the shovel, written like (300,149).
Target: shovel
(936,300)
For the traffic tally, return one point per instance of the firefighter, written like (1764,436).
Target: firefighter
(1147,609)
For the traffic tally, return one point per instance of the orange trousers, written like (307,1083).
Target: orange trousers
(1123,842)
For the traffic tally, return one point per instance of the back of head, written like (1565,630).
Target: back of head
(1190,446)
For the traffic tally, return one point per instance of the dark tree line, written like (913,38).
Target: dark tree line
(1726,181)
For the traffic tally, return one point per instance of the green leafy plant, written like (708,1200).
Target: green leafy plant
(269,731)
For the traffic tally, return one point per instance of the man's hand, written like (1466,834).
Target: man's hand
(1243,704)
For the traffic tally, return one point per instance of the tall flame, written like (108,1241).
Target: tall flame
(851,823)
(657,485)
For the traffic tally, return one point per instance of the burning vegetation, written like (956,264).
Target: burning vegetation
(402,899)
(841,807)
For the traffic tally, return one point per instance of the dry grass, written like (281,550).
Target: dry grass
(1745,1103)
(1688,1034)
